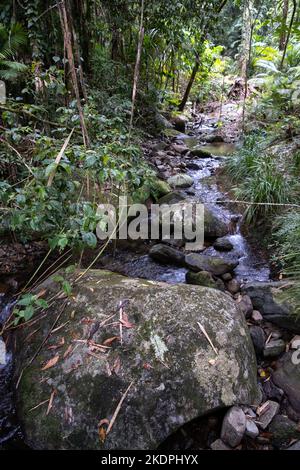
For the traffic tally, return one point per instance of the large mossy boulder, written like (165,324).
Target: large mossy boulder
(213,264)
(180,181)
(174,373)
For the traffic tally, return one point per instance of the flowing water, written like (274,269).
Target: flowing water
(253,265)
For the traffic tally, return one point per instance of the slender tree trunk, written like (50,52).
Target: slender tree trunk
(289,33)
(246,38)
(285,11)
(189,85)
(137,65)
(69,50)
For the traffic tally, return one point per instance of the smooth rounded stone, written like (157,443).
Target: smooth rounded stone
(233,286)
(160,146)
(274,348)
(160,188)
(179,148)
(271,391)
(203,278)
(179,122)
(200,152)
(245,304)
(287,377)
(175,243)
(271,409)
(283,430)
(258,338)
(251,429)
(172,198)
(214,139)
(212,264)
(233,426)
(162,123)
(180,181)
(166,254)
(214,226)
(223,244)
(268,298)
(226,277)
(295,446)
(219,445)
(257,316)
(2,352)
(174,374)
(295,342)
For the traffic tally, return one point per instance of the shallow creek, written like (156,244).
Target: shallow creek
(253,265)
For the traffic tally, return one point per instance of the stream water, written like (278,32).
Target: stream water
(253,265)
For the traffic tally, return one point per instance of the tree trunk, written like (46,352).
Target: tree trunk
(69,49)
(246,38)
(285,11)
(189,85)
(289,33)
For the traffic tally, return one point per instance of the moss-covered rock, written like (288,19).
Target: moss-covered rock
(180,181)
(175,374)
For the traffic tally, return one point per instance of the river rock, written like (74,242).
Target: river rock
(179,122)
(172,198)
(267,297)
(258,338)
(257,316)
(283,430)
(223,244)
(245,304)
(174,373)
(166,254)
(267,416)
(233,286)
(162,123)
(233,427)
(180,181)
(251,429)
(287,377)
(203,278)
(217,266)
(214,226)
(274,348)
(160,188)
(295,446)
(200,152)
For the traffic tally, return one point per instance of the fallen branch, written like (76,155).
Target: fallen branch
(208,338)
(117,410)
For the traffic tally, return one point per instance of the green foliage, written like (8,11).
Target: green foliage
(11,42)
(27,306)
(261,183)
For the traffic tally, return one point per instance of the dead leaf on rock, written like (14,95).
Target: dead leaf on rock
(102,430)
(117,365)
(51,363)
(125,322)
(58,345)
(108,341)
(67,351)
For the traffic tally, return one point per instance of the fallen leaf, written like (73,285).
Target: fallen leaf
(147,366)
(51,363)
(110,340)
(125,322)
(67,351)
(102,427)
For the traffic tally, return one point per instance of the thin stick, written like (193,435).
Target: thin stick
(40,404)
(208,338)
(117,410)
(58,158)
(120,319)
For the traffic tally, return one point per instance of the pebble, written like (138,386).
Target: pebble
(233,426)
(258,338)
(295,342)
(265,419)
(251,429)
(245,305)
(226,277)
(274,348)
(257,316)
(233,286)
